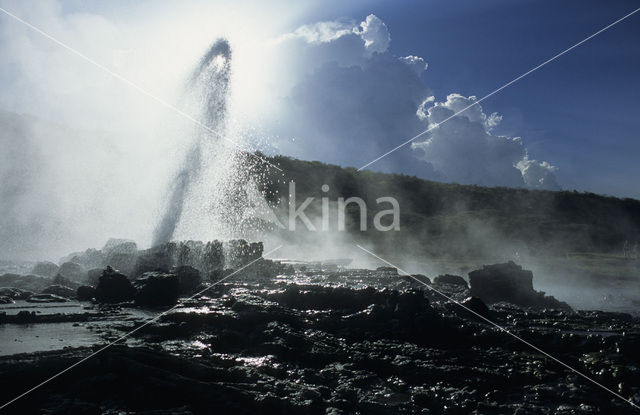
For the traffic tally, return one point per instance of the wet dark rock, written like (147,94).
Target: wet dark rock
(72,271)
(450,279)
(206,257)
(477,305)
(46,298)
(189,279)
(510,283)
(320,342)
(114,287)
(45,268)
(26,316)
(60,291)
(419,278)
(412,302)
(156,289)
(86,293)
(239,252)
(6,300)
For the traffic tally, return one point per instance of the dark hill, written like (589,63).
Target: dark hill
(465,220)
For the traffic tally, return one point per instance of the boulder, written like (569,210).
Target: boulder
(477,305)
(502,282)
(114,287)
(156,289)
(239,252)
(86,293)
(509,283)
(72,271)
(25,316)
(212,258)
(412,302)
(420,278)
(45,269)
(449,279)
(6,300)
(60,291)
(189,279)
(208,257)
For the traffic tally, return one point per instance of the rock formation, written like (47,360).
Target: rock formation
(510,283)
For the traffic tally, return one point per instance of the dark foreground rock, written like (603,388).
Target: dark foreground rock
(450,279)
(327,342)
(156,289)
(189,279)
(314,349)
(510,283)
(86,293)
(114,287)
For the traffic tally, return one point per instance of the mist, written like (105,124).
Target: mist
(87,156)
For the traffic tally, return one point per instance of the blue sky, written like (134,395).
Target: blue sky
(580,112)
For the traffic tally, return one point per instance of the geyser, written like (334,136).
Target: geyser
(207,89)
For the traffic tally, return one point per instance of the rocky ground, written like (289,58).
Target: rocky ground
(323,341)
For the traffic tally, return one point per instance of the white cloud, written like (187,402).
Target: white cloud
(416,63)
(349,99)
(321,32)
(464,150)
(538,175)
(375,34)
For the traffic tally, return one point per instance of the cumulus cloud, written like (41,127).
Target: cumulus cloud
(416,63)
(375,34)
(538,175)
(464,150)
(349,98)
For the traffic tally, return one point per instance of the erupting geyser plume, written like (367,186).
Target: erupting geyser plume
(208,88)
